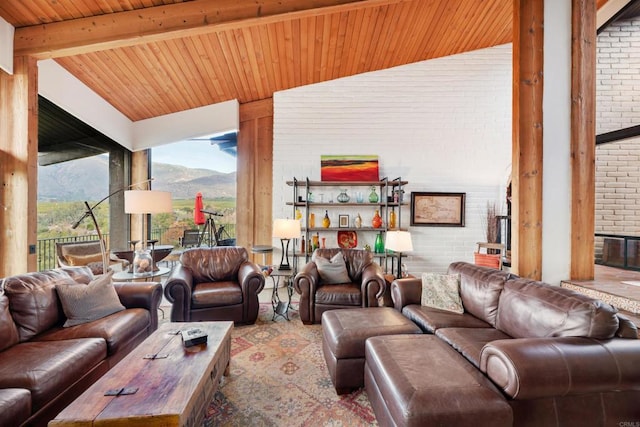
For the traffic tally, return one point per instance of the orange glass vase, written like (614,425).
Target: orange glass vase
(376,222)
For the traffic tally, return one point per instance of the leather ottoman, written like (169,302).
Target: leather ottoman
(344,333)
(420,380)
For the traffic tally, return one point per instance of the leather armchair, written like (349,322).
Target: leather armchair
(366,286)
(218,283)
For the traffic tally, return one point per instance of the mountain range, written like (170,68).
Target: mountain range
(88,179)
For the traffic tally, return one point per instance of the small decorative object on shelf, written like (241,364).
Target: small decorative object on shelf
(316,241)
(373,196)
(326,222)
(298,214)
(310,197)
(343,197)
(359,197)
(312,220)
(302,245)
(376,222)
(379,245)
(324,241)
(142,262)
(392,219)
(358,221)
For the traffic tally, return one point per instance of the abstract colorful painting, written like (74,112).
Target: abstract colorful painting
(349,168)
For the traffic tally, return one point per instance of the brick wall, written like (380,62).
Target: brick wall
(618,106)
(443,125)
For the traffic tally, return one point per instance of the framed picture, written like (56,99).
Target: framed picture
(343,221)
(437,209)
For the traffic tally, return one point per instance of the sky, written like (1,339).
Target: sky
(194,154)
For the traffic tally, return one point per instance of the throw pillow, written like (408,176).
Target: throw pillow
(442,291)
(86,303)
(333,271)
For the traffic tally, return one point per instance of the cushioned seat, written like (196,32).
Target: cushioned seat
(216,294)
(44,368)
(15,406)
(419,380)
(344,333)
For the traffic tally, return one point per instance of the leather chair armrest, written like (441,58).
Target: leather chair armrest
(146,295)
(405,292)
(305,284)
(250,278)
(177,290)
(373,285)
(532,368)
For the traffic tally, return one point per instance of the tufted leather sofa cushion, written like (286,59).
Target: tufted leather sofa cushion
(8,330)
(480,289)
(534,309)
(214,264)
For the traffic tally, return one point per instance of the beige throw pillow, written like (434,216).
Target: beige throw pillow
(442,291)
(333,271)
(86,303)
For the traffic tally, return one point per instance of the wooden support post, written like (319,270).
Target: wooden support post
(528,49)
(255,174)
(19,167)
(583,146)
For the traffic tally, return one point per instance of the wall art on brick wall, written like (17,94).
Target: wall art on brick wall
(437,209)
(349,168)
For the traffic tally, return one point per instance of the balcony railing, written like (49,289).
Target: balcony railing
(46,249)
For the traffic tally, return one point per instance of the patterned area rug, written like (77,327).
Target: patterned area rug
(279,378)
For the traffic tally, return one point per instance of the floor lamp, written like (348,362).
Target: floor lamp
(399,242)
(145,202)
(285,230)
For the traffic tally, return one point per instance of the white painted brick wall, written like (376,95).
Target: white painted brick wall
(442,125)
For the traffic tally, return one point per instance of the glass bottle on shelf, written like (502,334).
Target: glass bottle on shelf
(358,221)
(373,196)
(298,214)
(326,222)
(316,241)
(343,197)
(392,219)
(379,245)
(376,222)
(312,220)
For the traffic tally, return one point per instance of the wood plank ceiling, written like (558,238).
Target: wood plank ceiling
(251,59)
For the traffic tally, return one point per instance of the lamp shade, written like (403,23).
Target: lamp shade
(286,228)
(147,202)
(398,241)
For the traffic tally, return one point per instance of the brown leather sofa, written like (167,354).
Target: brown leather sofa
(532,354)
(45,366)
(366,285)
(218,283)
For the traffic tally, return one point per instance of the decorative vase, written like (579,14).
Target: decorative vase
(343,197)
(326,222)
(142,262)
(358,221)
(373,196)
(392,219)
(376,222)
(312,220)
(315,241)
(324,241)
(379,245)
(298,214)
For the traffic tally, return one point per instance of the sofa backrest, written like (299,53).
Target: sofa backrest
(33,300)
(480,289)
(530,309)
(214,264)
(8,330)
(356,259)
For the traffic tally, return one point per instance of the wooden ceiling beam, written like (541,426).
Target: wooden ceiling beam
(152,24)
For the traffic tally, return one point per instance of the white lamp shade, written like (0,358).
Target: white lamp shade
(398,241)
(147,202)
(286,228)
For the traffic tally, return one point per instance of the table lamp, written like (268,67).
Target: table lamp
(285,230)
(146,202)
(399,242)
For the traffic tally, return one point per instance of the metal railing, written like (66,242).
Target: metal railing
(46,248)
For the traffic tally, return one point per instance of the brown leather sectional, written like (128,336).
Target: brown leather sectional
(44,366)
(523,353)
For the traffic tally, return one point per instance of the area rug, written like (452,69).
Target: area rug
(279,378)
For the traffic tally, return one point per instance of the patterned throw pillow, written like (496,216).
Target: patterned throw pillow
(86,303)
(442,291)
(332,271)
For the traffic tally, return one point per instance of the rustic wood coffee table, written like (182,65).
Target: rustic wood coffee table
(173,384)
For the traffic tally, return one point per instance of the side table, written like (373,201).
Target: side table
(281,308)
